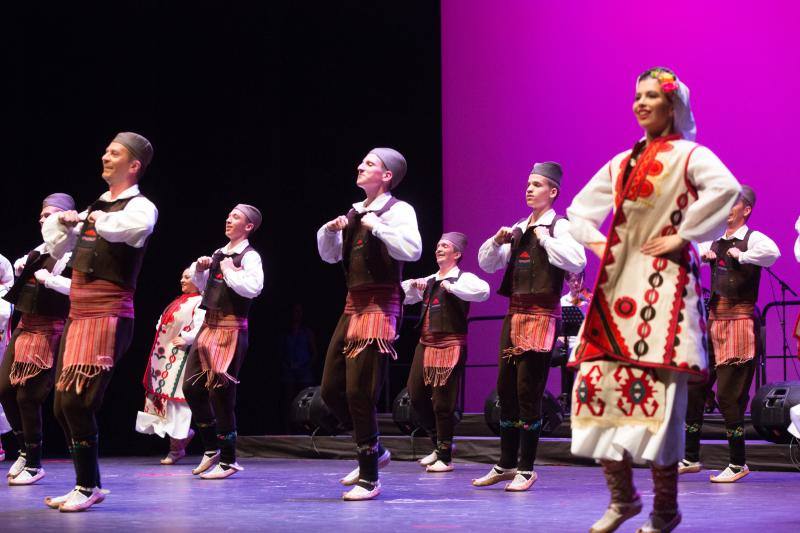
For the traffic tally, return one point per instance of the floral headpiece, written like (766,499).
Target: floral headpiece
(667,80)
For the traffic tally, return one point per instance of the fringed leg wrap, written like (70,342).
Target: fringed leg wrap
(509,444)
(226,442)
(736,445)
(693,442)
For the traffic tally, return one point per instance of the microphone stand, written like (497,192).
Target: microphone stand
(784,288)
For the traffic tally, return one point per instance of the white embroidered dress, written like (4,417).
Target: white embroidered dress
(165,409)
(644,333)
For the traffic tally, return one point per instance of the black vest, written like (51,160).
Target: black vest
(730,278)
(111,261)
(529,270)
(32,297)
(217,295)
(447,313)
(365,258)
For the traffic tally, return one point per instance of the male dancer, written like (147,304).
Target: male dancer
(736,261)
(536,253)
(6,282)
(41,295)
(108,241)
(435,375)
(231,278)
(372,241)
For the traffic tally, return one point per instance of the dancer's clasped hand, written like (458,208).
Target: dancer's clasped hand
(663,245)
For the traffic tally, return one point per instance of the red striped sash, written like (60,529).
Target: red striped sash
(732,331)
(34,347)
(216,347)
(533,323)
(373,310)
(441,354)
(95,307)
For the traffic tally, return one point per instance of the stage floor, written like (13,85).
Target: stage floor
(303,495)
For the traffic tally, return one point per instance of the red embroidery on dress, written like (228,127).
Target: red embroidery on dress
(587,391)
(636,391)
(625,307)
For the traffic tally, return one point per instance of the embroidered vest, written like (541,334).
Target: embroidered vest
(730,278)
(218,296)
(32,297)
(529,271)
(111,261)
(365,258)
(447,313)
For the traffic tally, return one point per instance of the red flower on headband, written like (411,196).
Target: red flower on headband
(669,87)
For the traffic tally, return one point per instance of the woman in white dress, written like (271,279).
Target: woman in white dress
(165,409)
(644,334)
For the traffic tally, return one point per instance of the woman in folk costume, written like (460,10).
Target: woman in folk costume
(6,282)
(165,409)
(644,334)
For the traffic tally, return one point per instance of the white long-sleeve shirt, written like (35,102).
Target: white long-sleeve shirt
(397,230)
(247,282)
(56,281)
(198,315)
(131,225)
(707,173)
(761,250)
(797,242)
(563,251)
(6,282)
(468,287)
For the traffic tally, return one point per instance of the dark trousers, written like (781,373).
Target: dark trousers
(213,407)
(521,381)
(23,403)
(733,393)
(76,412)
(435,406)
(351,386)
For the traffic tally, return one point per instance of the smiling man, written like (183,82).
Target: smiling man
(372,241)
(108,242)
(536,253)
(230,279)
(439,359)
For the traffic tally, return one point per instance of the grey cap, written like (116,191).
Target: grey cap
(394,162)
(252,213)
(748,195)
(139,147)
(60,200)
(459,240)
(549,170)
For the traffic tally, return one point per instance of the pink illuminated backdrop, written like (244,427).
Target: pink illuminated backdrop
(526,81)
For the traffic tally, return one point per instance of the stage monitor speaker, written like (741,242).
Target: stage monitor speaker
(309,414)
(552,415)
(770,410)
(406,417)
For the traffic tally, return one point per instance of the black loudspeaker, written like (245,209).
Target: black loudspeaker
(407,419)
(552,415)
(311,415)
(770,410)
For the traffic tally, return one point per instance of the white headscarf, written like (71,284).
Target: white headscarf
(684,119)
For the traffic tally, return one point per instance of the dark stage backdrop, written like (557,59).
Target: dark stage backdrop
(269,103)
